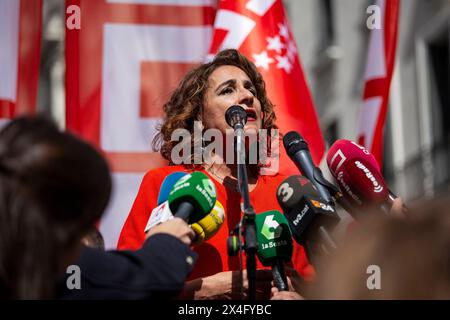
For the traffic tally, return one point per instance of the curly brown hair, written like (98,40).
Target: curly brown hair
(186,102)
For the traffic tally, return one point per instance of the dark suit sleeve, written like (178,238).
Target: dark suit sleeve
(156,271)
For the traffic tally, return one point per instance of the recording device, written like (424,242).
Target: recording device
(192,197)
(310,218)
(358,176)
(274,244)
(298,150)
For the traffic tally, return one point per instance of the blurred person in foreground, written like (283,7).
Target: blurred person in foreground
(53,188)
(411,255)
(203,96)
(93,239)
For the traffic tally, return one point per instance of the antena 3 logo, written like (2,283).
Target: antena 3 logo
(377,187)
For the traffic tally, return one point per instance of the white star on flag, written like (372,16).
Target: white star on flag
(274,44)
(284,30)
(291,50)
(262,60)
(283,63)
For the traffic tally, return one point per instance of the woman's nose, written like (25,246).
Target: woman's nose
(246,97)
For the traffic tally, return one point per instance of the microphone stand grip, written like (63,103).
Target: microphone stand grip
(250,243)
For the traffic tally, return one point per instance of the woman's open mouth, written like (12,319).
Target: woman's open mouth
(251,115)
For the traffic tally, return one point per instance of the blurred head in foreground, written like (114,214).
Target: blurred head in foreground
(397,258)
(53,188)
(93,239)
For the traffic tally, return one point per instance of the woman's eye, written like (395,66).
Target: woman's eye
(226,91)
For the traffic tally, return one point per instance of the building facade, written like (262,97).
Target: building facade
(332,37)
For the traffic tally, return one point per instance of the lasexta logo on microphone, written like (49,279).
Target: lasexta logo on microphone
(271,228)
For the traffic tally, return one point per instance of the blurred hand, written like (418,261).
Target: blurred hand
(285,295)
(398,208)
(225,286)
(295,281)
(175,227)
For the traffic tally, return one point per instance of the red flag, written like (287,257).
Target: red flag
(20,45)
(379,70)
(122,63)
(260,30)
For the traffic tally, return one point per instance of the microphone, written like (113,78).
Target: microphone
(236,117)
(274,244)
(358,176)
(192,197)
(309,216)
(167,184)
(207,227)
(162,212)
(298,150)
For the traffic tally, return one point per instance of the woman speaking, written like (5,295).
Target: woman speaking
(203,96)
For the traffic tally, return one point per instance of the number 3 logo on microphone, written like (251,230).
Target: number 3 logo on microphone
(285,191)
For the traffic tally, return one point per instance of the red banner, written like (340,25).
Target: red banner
(122,63)
(20,45)
(260,30)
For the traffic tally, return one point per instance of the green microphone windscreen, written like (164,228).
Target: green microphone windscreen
(198,190)
(273,236)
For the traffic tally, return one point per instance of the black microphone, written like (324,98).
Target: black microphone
(298,150)
(236,117)
(309,216)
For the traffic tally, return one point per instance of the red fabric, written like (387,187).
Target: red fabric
(29,54)
(213,257)
(260,30)
(380,86)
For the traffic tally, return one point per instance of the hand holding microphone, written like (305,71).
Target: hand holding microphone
(176,228)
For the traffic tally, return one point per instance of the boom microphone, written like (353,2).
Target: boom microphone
(192,197)
(274,244)
(358,175)
(298,150)
(310,218)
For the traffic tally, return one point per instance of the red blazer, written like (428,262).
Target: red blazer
(213,257)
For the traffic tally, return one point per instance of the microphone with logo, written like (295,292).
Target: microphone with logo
(167,185)
(358,176)
(204,229)
(192,197)
(162,212)
(274,244)
(310,218)
(298,150)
